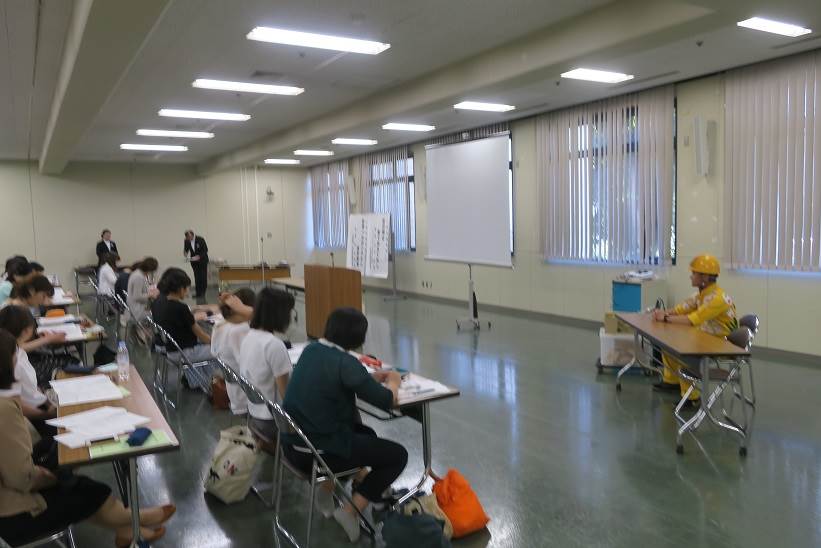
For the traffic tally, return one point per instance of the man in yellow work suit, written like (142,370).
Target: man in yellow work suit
(711,310)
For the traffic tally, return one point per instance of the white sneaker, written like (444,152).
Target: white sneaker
(325,502)
(349,522)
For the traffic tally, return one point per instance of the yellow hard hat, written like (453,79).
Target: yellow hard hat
(706,264)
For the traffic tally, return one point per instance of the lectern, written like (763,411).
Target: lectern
(326,289)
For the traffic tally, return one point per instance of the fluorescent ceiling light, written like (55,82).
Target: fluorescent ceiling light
(488,107)
(311,40)
(282,161)
(593,75)
(202,115)
(776,27)
(302,152)
(168,133)
(408,127)
(347,141)
(249,87)
(163,148)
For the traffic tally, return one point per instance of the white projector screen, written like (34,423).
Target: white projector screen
(469,202)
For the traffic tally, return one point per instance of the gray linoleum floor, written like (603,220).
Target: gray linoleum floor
(556,455)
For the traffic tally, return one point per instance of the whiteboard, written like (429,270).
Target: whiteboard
(369,244)
(469,202)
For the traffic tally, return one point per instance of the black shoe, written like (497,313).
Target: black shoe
(666,387)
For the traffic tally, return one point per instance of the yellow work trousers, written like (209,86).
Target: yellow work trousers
(670,375)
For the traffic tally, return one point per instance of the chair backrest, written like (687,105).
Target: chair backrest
(93,284)
(750,321)
(741,337)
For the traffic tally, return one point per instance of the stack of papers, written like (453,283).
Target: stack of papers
(414,387)
(94,425)
(90,389)
(72,330)
(60,297)
(57,320)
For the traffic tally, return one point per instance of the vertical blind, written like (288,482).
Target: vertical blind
(607,181)
(329,200)
(772,144)
(386,187)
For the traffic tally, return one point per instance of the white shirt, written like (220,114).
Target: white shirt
(25,375)
(262,358)
(226,339)
(108,244)
(106,279)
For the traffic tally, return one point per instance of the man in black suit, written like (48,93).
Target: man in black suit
(105,246)
(196,250)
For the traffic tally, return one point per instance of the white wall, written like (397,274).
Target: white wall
(789,306)
(148,208)
(58,220)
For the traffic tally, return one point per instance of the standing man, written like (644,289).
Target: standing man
(196,250)
(105,246)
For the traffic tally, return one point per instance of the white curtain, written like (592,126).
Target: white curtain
(606,177)
(329,200)
(772,143)
(384,180)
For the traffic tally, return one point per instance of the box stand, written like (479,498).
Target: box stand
(472,320)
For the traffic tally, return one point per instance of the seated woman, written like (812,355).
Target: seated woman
(139,290)
(321,398)
(19,322)
(173,315)
(107,275)
(34,293)
(263,357)
(34,502)
(18,270)
(226,340)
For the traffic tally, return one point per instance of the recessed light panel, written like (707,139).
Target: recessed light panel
(158,148)
(593,75)
(487,107)
(408,127)
(775,27)
(248,87)
(321,41)
(204,115)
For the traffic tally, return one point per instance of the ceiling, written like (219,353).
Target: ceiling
(441,52)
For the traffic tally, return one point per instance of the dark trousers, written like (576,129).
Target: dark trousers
(200,277)
(387,460)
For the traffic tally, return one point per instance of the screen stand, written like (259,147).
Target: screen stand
(472,321)
(395,295)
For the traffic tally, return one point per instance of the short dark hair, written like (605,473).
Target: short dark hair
(111,259)
(272,310)
(149,264)
(246,296)
(172,280)
(16,319)
(37,284)
(8,347)
(102,234)
(37,267)
(347,328)
(189,231)
(12,262)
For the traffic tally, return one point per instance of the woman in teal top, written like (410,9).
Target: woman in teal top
(18,270)
(321,398)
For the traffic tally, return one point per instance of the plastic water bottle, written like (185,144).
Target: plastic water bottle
(123,362)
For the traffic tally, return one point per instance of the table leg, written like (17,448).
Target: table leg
(426,455)
(134,502)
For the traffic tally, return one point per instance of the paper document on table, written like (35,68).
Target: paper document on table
(96,424)
(86,417)
(72,330)
(296,351)
(414,387)
(57,320)
(94,388)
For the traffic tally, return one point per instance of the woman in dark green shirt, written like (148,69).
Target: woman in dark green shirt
(321,398)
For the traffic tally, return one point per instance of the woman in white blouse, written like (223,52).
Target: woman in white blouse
(107,276)
(263,357)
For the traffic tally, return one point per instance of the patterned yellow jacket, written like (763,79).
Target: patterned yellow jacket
(711,310)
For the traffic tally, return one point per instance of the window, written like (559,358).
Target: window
(329,200)
(772,192)
(607,179)
(388,185)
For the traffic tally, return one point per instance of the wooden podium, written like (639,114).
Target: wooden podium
(326,289)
